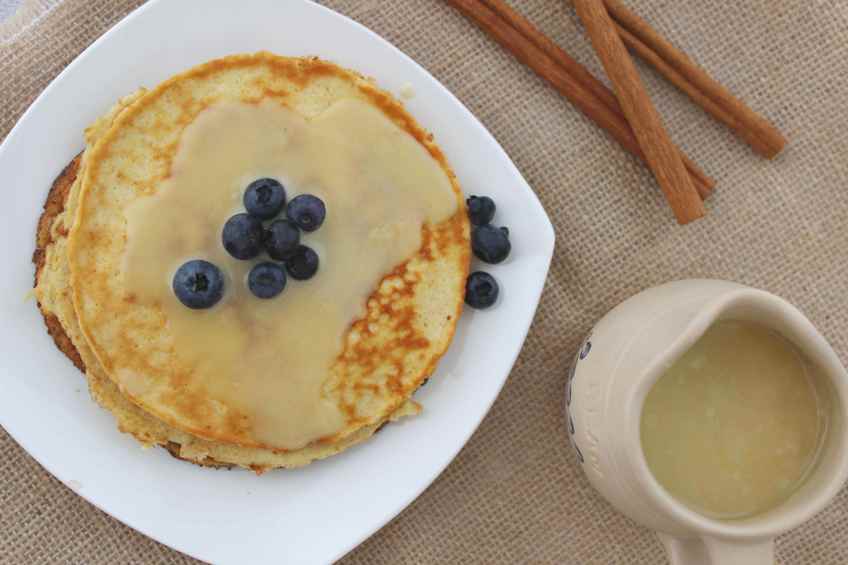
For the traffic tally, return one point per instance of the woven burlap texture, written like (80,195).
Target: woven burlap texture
(515,494)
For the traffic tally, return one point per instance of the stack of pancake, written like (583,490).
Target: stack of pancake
(124,344)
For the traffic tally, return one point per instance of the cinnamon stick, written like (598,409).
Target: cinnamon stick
(652,136)
(703,183)
(705,91)
(566,75)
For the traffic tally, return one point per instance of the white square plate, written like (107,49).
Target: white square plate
(318,513)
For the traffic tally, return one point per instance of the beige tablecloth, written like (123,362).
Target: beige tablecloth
(515,493)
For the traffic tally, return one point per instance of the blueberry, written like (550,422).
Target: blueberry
(198,284)
(266,280)
(264,198)
(490,244)
(481,210)
(242,236)
(282,239)
(481,290)
(302,264)
(307,212)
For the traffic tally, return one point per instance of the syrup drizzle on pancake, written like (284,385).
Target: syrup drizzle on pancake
(270,359)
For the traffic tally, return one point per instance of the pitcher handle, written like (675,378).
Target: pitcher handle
(713,551)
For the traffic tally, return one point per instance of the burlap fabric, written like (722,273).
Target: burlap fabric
(515,493)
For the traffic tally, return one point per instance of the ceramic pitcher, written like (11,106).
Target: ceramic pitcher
(616,366)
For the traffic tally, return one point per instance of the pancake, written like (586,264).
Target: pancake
(56,306)
(386,354)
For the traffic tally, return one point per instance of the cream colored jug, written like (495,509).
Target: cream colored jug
(618,363)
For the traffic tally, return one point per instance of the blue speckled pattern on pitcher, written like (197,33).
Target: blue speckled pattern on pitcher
(581,354)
